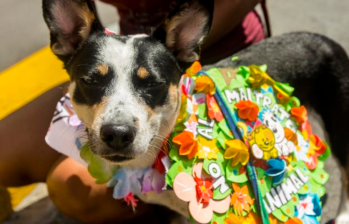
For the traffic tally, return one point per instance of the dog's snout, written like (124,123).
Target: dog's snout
(117,136)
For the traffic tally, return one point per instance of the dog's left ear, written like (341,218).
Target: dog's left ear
(70,23)
(185,28)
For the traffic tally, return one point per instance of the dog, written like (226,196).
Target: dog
(125,89)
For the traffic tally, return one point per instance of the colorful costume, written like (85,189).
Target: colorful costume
(243,151)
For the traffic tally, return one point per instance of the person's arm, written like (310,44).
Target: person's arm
(227,15)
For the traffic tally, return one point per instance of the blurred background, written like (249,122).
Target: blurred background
(23,32)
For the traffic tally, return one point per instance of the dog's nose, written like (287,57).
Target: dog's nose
(117,136)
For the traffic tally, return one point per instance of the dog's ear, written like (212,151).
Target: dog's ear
(70,23)
(185,28)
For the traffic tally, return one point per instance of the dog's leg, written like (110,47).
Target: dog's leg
(168,199)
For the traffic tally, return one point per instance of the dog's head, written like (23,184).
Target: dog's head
(125,88)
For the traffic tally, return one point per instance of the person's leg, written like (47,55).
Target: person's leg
(24,156)
(249,32)
(75,193)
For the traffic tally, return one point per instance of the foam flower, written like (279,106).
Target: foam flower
(126,181)
(204,84)
(204,189)
(237,151)
(153,180)
(130,200)
(277,170)
(214,111)
(188,144)
(251,218)
(317,146)
(299,114)
(247,110)
(294,220)
(187,86)
(207,149)
(241,199)
(309,209)
(193,69)
(190,190)
(183,110)
(191,127)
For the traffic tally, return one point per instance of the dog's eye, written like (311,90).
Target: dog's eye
(89,80)
(155,84)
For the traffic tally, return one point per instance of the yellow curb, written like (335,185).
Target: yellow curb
(28,79)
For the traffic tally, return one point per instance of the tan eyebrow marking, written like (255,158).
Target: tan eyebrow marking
(103,69)
(142,73)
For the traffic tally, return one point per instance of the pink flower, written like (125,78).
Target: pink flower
(186,188)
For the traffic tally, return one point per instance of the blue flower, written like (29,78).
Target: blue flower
(277,170)
(127,181)
(309,208)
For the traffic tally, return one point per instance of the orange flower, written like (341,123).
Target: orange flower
(317,146)
(291,136)
(251,218)
(188,143)
(247,110)
(214,112)
(237,151)
(273,220)
(205,85)
(193,69)
(294,220)
(300,114)
(241,199)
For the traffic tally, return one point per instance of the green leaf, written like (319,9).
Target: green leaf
(224,127)
(280,215)
(320,176)
(218,218)
(217,195)
(288,209)
(233,174)
(174,153)
(99,168)
(175,169)
(326,154)
(203,111)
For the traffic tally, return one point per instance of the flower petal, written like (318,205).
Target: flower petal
(201,213)
(184,187)
(220,206)
(300,114)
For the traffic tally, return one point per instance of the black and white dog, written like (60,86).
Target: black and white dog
(125,88)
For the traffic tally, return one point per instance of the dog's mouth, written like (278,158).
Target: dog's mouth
(116,158)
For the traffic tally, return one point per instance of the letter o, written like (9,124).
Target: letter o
(214,170)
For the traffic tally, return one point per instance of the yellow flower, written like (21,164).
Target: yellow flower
(205,85)
(183,110)
(237,151)
(207,148)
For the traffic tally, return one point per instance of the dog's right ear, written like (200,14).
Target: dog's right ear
(185,28)
(70,23)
